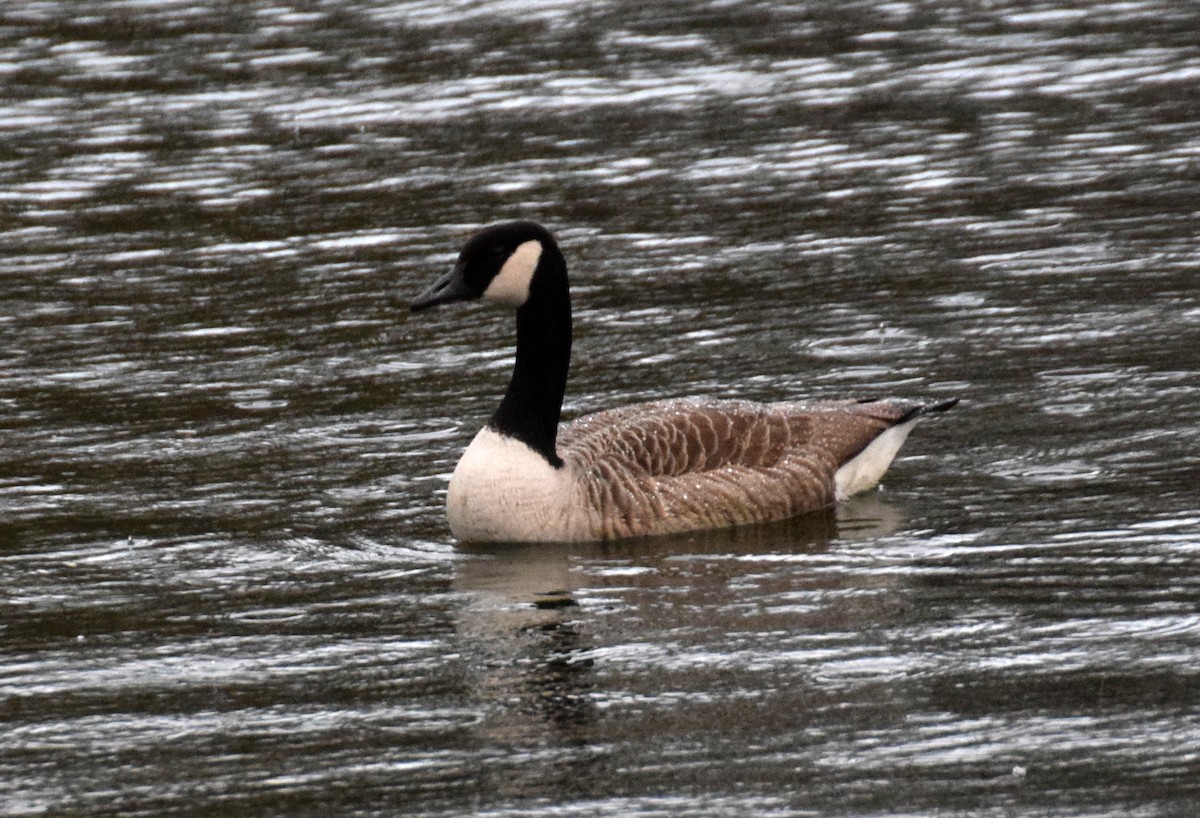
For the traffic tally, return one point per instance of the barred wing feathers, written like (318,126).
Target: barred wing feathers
(680,465)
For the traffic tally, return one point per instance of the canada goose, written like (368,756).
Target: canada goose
(653,468)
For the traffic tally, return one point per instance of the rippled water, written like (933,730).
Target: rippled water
(227,584)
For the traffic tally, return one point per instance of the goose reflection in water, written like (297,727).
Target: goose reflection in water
(527,637)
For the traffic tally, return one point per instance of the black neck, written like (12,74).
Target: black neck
(533,403)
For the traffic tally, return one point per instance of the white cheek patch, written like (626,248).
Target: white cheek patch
(511,284)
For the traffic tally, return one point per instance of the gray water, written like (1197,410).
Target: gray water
(226,581)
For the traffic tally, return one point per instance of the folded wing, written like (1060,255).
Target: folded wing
(681,465)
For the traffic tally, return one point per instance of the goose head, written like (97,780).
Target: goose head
(519,264)
(501,263)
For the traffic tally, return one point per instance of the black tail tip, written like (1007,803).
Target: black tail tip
(941,406)
(920,409)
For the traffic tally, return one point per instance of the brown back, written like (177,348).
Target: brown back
(689,464)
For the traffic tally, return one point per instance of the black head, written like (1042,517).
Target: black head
(497,263)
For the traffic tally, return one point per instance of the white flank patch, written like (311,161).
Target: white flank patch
(865,469)
(504,491)
(511,284)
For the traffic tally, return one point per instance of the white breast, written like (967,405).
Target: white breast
(502,490)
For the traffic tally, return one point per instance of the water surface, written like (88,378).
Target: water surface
(227,581)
